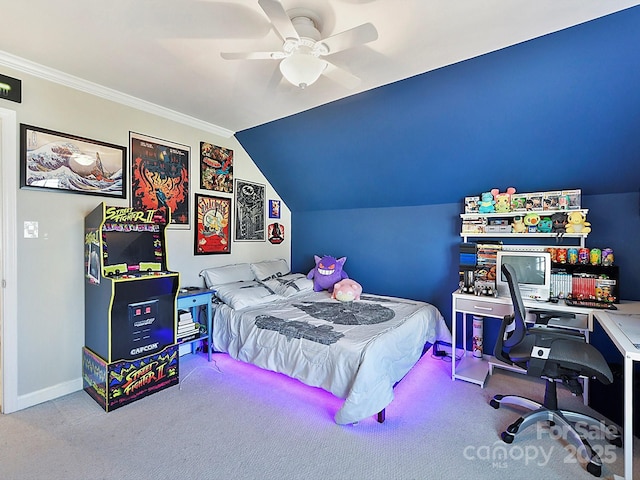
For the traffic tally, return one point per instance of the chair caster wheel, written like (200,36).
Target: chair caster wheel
(506,437)
(494,403)
(593,469)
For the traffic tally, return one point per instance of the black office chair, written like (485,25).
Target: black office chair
(558,355)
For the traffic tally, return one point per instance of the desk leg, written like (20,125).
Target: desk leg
(465,317)
(628,418)
(454,322)
(209,332)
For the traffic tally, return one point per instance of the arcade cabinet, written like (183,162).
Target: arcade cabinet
(130,306)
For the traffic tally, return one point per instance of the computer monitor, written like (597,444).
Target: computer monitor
(533,270)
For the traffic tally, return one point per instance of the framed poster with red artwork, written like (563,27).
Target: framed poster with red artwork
(160,177)
(213,225)
(216,168)
(276,233)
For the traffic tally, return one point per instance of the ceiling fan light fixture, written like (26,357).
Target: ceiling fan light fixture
(302,69)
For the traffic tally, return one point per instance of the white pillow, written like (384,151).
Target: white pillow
(240,295)
(291,284)
(270,269)
(238,272)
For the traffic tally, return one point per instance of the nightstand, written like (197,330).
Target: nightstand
(193,300)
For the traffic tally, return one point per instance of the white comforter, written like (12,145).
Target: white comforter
(357,350)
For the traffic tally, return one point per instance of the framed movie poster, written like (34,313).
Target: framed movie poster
(213,225)
(250,211)
(160,177)
(66,163)
(216,168)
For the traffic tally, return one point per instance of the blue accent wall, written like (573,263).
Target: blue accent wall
(560,111)
(380,177)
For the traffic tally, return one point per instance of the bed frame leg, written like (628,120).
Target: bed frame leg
(380,416)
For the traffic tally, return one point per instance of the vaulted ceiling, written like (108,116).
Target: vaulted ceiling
(556,112)
(168,52)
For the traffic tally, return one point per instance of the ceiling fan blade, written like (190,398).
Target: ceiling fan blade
(279,18)
(252,55)
(353,37)
(341,76)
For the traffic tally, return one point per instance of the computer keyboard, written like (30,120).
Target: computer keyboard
(590,304)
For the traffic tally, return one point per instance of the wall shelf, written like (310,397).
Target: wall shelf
(581,237)
(542,213)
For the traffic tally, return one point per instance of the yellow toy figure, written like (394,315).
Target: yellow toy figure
(503,200)
(518,226)
(576,223)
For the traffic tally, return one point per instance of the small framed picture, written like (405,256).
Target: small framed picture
(213,225)
(274,208)
(276,233)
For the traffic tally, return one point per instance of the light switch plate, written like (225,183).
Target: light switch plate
(30,229)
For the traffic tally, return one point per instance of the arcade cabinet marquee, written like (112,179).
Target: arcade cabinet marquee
(130,345)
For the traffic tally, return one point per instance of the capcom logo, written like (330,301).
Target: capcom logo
(146,348)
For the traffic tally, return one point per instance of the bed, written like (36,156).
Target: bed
(272,318)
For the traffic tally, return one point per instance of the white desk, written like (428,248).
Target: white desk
(476,370)
(631,354)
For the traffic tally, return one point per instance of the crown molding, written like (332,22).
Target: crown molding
(56,76)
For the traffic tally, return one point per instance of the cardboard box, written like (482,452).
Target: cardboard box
(575,198)
(534,201)
(550,200)
(472,204)
(113,385)
(474,225)
(518,202)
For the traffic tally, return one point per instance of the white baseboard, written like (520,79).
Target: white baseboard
(46,394)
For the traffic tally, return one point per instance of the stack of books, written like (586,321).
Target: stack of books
(187,328)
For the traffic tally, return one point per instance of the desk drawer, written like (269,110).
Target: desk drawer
(488,309)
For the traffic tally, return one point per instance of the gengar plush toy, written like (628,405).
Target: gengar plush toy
(347,290)
(327,272)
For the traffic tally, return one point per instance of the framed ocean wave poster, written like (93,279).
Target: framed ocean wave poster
(62,162)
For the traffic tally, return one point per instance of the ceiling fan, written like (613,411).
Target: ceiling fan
(302,59)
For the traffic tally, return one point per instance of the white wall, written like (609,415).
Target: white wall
(50,304)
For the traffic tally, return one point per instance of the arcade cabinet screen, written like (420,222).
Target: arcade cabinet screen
(131,247)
